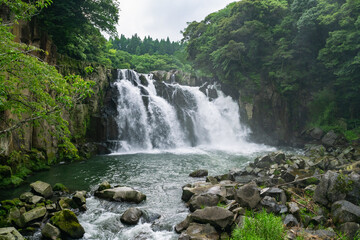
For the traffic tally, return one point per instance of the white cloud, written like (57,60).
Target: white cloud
(162,18)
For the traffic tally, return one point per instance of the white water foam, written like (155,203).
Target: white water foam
(149,123)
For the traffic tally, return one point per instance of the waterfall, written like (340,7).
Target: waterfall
(157,115)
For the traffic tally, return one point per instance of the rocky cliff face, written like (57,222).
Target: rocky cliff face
(272,118)
(38,137)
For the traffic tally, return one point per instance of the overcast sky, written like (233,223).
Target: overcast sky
(163,18)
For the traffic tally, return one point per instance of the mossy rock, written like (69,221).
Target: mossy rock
(68,223)
(60,187)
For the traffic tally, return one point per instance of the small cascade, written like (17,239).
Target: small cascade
(157,115)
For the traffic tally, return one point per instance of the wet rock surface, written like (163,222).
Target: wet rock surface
(312,193)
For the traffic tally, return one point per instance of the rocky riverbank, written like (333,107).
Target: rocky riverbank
(53,210)
(316,194)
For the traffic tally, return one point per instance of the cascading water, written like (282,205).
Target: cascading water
(163,132)
(156,115)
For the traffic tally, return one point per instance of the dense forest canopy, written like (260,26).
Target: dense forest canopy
(300,46)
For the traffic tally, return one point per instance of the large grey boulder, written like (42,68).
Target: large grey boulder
(216,216)
(42,188)
(329,139)
(329,190)
(122,194)
(343,211)
(203,200)
(182,226)
(33,214)
(131,216)
(199,231)
(10,233)
(248,195)
(49,231)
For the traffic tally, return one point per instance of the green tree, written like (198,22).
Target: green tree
(75,26)
(31,90)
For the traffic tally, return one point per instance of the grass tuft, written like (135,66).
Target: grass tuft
(260,226)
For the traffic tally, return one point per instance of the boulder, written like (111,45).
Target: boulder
(354,194)
(33,214)
(10,233)
(293,208)
(199,173)
(276,193)
(15,217)
(196,188)
(316,133)
(79,198)
(329,139)
(263,162)
(49,231)
(26,196)
(131,216)
(288,175)
(122,194)
(68,223)
(104,185)
(42,188)
(199,231)
(350,229)
(343,211)
(325,234)
(248,195)
(244,178)
(216,216)
(328,190)
(203,200)
(290,221)
(182,226)
(67,203)
(35,199)
(279,157)
(212,180)
(270,204)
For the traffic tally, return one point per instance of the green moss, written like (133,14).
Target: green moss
(60,187)
(67,221)
(343,183)
(312,180)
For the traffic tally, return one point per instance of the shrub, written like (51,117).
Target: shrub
(260,226)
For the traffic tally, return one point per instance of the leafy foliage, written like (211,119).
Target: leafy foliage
(300,47)
(75,26)
(32,91)
(260,226)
